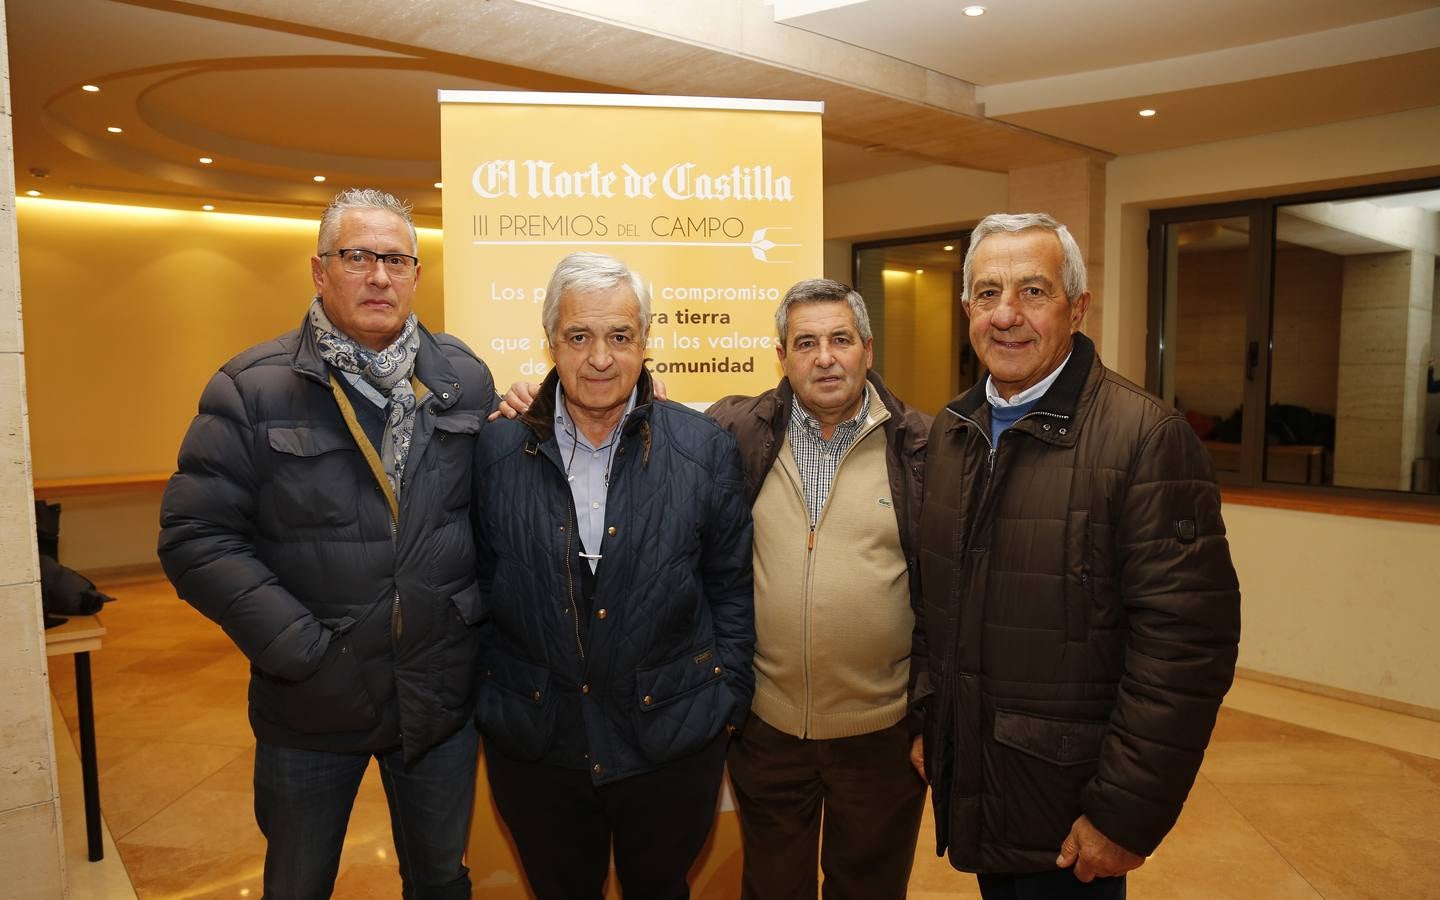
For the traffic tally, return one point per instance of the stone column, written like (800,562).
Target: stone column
(1073,191)
(32,855)
(1385,322)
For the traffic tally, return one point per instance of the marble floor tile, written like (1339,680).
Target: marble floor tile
(174,873)
(1360,841)
(1299,797)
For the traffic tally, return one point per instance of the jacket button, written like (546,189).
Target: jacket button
(601,613)
(1046,426)
(445,396)
(585,688)
(610,531)
(1062,431)
(562,529)
(648,700)
(718,670)
(535,695)
(597,768)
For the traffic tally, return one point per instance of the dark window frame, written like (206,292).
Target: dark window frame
(1259,324)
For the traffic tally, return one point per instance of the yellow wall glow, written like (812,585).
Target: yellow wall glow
(128,311)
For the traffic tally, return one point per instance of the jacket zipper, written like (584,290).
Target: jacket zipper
(570,526)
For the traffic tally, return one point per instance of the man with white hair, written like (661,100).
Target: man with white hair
(1080,608)
(616,579)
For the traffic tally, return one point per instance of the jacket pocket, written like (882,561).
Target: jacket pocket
(514,706)
(332,700)
(315,475)
(454,449)
(1041,765)
(458,648)
(680,705)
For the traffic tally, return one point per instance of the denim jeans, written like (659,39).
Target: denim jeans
(303,800)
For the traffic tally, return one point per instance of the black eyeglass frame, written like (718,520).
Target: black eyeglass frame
(379,257)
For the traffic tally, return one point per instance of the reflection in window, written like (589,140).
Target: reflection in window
(1208,269)
(1336,350)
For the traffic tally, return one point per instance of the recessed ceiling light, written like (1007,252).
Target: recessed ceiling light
(114,129)
(208,207)
(34,194)
(205,160)
(1146,113)
(973,11)
(949,247)
(319,178)
(90,88)
(439,184)
(919,271)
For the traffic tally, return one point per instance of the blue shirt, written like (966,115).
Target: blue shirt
(588,468)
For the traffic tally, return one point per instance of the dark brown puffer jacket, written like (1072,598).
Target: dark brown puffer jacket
(1082,615)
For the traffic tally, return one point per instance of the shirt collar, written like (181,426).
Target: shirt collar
(1029,395)
(564,425)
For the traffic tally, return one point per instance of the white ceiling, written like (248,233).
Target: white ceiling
(277,91)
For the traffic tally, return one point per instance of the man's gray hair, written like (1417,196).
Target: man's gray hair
(361,198)
(582,272)
(1072,270)
(822,290)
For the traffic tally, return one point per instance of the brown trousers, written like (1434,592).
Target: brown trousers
(870,797)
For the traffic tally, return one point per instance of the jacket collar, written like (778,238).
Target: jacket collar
(432,367)
(1062,400)
(540,417)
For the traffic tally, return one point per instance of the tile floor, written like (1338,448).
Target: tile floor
(1300,796)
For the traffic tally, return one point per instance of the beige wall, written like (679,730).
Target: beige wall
(919,201)
(1337,601)
(1352,606)
(124,336)
(32,857)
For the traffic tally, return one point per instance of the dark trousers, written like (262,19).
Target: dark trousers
(563,825)
(862,788)
(303,800)
(1060,884)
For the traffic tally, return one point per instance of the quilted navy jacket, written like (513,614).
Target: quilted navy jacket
(360,630)
(662,661)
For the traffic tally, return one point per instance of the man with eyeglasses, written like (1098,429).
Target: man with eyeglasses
(321,515)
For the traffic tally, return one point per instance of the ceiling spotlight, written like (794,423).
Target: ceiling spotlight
(114,129)
(439,184)
(1146,113)
(208,207)
(90,88)
(973,11)
(319,178)
(205,160)
(33,194)
(949,247)
(919,271)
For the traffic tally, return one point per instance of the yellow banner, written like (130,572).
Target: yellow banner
(715,203)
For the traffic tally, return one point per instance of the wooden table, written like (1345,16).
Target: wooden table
(79,636)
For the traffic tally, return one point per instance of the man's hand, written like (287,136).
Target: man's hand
(1093,854)
(917,757)
(516,401)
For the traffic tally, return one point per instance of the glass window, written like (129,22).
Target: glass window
(1299,336)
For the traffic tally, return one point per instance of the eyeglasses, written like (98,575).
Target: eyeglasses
(362,262)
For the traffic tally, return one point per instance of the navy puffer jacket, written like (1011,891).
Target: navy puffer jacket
(361,631)
(670,635)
